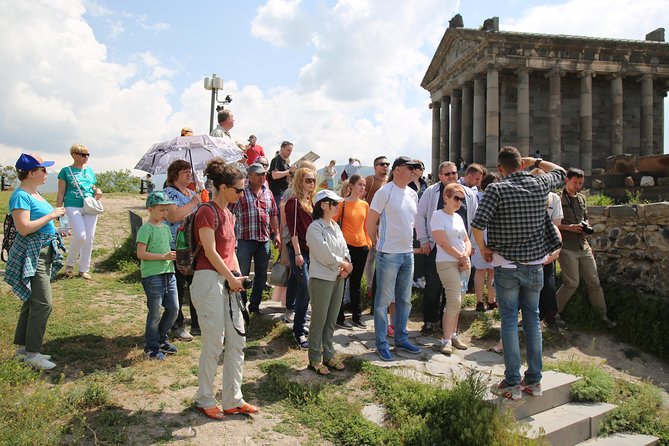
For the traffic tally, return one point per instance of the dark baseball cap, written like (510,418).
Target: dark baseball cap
(402,160)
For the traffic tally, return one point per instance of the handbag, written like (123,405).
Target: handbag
(279,274)
(92,206)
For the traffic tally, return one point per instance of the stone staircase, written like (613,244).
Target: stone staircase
(564,422)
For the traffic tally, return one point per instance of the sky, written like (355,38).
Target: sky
(341,78)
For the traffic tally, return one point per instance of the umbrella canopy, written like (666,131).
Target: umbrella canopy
(197,150)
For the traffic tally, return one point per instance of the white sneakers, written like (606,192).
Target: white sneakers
(40,362)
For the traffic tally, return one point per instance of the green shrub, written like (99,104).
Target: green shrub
(595,384)
(482,325)
(599,200)
(118,181)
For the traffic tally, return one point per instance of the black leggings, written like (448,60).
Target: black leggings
(358,259)
(183,282)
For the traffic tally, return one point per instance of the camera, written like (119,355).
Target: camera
(246,283)
(587,228)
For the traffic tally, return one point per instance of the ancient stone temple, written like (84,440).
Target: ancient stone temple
(577,100)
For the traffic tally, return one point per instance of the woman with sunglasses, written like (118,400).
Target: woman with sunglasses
(298,211)
(76,182)
(453,251)
(216,276)
(330,265)
(33,258)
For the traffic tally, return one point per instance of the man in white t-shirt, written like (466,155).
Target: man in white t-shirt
(394,208)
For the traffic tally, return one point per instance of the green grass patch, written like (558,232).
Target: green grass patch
(595,384)
(482,326)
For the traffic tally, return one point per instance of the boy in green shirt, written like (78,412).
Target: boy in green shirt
(158,280)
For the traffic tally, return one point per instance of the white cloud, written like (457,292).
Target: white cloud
(282,23)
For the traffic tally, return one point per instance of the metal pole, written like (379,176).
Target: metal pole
(211,111)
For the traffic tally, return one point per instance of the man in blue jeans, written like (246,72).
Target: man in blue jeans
(394,208)
(520,237)
(256,222)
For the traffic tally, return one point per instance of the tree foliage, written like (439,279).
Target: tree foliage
(118,181)
(9,172)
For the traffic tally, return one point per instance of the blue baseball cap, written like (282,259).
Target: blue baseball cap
(30,161)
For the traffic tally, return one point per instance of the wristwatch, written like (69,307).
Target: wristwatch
(537,162)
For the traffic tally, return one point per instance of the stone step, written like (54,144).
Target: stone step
(568,424)
(622,440)
(556,392)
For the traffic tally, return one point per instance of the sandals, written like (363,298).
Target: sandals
(335,364)
(245,408)
(319,368)
(211,412)
(69,271)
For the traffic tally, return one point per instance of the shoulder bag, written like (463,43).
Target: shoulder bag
(92,206)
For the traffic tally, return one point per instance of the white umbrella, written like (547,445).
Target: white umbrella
(197,150)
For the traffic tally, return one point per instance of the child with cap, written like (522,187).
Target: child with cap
(158,280)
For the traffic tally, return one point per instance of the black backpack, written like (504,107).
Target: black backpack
(9,236)
(186,255)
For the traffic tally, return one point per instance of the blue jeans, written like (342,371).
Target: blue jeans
(161,290)
(259,251)
(301,274)
(519,288)
(393,278)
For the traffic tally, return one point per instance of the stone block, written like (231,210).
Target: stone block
(653,163)
(613,233)
(599,227)
(622,211)
(658,240)
(601,243)
(629,181)
(630,240)
(663,181)
(655,211)
(647,181)
(597,210)
(623,163)
(597,184)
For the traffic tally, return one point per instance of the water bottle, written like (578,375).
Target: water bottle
(464,281)
(64,225)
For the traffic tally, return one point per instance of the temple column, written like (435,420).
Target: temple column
(478,126)
(445,129)
(456,126)
(555,115)
(523,111)
(492,117)
(616,114)
(585,115)
(646,115)
(436,129)
(466,149)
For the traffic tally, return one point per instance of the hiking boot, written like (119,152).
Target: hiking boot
(504,390)
(480,307)
(458,343)
(532,389)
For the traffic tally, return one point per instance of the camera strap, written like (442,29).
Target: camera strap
(242,308)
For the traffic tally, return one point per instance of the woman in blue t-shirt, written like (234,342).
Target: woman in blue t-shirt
(75,183)
(33,255)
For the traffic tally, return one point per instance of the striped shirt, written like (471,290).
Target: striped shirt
(514,212)
(253,213)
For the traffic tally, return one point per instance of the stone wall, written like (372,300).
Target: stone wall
(631,245)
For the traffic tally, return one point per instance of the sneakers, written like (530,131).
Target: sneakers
(358,323)
(408,347)
(289,316)
(182,334)
(385,354)
(457,343)
(40,362)
(346,325)
(427,329)
(492,306)
(446,347)
(168,348)
(532,389)
(391,330)
(504,390)
(480,307)
(195,331)
(156,355)
(255,310)
(302,342)
(21,354)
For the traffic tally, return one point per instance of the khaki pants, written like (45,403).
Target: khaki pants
(210,299)
(326,297)
(576,264)
(449,273)
(35,311)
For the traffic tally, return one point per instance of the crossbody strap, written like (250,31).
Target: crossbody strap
(76,183)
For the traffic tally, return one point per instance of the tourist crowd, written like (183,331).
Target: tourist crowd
(504,231)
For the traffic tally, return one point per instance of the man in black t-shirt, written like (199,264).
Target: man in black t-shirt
(280,170)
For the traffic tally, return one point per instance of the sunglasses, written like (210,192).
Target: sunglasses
(383,164)
(239,191)
(333,203)
(458,198)
(310,180)
(85,155)
(43,169)
(448,174)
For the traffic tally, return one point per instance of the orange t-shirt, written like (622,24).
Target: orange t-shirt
(353,223)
